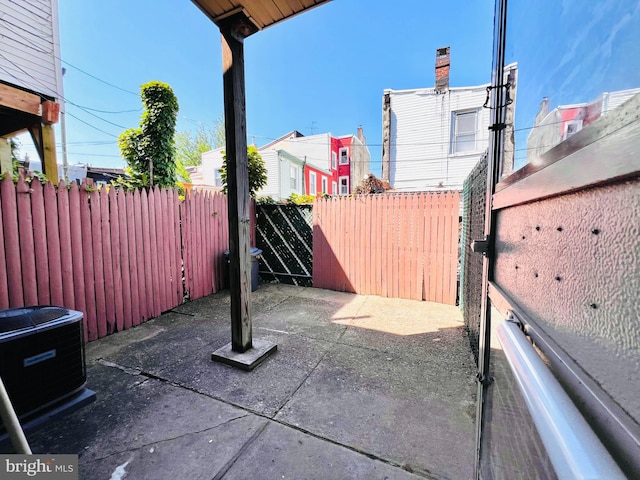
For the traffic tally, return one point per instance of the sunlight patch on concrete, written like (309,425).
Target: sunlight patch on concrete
(402,327)
(397,316)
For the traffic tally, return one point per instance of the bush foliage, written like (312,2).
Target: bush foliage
(149,149)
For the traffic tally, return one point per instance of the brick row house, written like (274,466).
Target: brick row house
(312,165)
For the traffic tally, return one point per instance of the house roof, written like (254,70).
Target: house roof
(286,136)
(262,13)
(290,157)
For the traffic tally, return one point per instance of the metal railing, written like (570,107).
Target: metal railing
(574,449)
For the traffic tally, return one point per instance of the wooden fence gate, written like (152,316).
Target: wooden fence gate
(284,235)
(393,245)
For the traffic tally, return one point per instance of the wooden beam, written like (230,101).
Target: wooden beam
(20,100)
(237,189)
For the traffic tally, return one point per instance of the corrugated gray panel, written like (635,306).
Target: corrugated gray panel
(27,45)
(573,265)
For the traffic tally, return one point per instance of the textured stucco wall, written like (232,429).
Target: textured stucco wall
(573,264)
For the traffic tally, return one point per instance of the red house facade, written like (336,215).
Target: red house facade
(318,181)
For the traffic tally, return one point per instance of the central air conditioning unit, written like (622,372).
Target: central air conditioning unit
(42,363)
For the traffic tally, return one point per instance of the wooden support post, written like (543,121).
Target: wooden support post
(49,162)
(244,351)
(237,189)
(45,143)
(6,162)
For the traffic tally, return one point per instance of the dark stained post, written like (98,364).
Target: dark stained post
(237,188)
(244,351)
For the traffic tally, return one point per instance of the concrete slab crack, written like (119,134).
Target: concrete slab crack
(170,439)
(223,471)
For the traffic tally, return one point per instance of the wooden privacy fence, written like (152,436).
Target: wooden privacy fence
(206,237)
(116,256)
(393,245)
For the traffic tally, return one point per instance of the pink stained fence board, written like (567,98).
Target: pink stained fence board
(199,264)
(185,232)
(133,259)
(179,292)
(125,270)
(98,264)
(112,237)
(153,253)
(66,257)
(141,259)
(88,260)
(53,245)
(41,256)
(209,245)
(167,250)
(4,285)
(160,233)
(12,243)
(27,248)
(76,252)
(145,256)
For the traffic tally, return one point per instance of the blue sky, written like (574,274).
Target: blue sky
(571,52)
(323,71)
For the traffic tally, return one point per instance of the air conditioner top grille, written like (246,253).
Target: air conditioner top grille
(19,318)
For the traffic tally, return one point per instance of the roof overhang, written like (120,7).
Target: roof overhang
(253,15)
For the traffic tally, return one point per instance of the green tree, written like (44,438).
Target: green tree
(191,145)
(257,171)
(149,149)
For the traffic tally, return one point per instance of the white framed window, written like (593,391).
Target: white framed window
(325,184)
(312,183)
(464,128)
(334,161)
(344,156)
(571,127)
(344,185)
(218,180)
(334,188)
(294,176)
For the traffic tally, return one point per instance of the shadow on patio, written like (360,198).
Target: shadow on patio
(361,387)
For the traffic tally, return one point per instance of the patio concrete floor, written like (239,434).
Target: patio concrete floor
(360,387)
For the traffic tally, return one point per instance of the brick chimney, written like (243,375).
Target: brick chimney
(443,63)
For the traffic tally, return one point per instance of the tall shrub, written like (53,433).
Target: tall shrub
(149,149)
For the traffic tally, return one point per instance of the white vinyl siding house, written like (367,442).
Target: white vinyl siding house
(284,172)
(291,175)
(436,137)
(30,46)
(314,149)
(210,168)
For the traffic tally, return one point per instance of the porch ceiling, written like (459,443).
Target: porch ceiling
(263,13)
